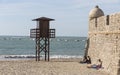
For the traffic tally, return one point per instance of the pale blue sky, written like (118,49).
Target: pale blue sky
(71,16)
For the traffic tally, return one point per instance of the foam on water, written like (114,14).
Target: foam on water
(18,57)
(65,56)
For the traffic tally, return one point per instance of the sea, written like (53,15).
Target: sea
(23,47)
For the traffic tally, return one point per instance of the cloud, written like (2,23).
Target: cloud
(106,1)
(11,9)
(30,7)
(87,3)
(24,8)
(97,1)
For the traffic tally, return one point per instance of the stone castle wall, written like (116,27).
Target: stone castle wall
(104,42)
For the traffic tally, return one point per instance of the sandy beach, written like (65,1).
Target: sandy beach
(53,67)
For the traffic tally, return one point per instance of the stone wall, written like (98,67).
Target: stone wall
(104,42)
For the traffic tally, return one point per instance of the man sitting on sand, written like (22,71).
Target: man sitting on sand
(96,66)
(86,59)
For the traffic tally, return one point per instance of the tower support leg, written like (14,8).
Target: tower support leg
(42,44)
(37,49)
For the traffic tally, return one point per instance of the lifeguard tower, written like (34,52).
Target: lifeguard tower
(42,33)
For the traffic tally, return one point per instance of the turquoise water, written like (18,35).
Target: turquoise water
(59,46)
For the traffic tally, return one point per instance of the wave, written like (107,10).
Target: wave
(9,57)
(18,56)
(65,56)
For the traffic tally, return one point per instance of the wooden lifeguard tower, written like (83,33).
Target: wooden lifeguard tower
(42,33)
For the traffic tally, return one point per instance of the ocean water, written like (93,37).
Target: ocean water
(24,47)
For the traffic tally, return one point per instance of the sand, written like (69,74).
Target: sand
(53,67)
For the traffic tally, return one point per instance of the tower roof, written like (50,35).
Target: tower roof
(95,13)
(43,18)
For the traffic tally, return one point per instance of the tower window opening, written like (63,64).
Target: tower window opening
(107,20)
(95,22)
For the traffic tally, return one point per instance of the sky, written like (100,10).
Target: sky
(71,16)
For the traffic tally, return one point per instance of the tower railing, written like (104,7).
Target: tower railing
(35,33)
